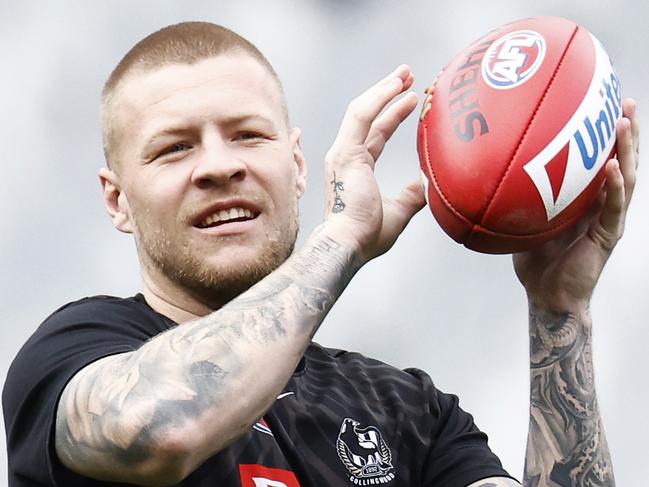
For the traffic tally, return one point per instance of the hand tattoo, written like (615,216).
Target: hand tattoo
(339,204)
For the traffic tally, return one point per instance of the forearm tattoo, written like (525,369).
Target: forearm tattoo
(566,444)
(338,187)
(115,409)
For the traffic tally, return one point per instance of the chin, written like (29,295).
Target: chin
(215,287)
(214,282)
(212,275)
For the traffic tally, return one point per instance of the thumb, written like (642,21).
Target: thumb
(411,199)
(397,212)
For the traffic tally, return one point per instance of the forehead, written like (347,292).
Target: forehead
(229,85)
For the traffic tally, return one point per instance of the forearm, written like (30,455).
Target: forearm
(194,382)
(566,443)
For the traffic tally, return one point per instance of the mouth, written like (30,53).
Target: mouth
(226,215)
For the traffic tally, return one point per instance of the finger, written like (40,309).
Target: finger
(630,111)
(384,126)
(407,84)
(626,156)
(611,218)
(402,71)
(363,110)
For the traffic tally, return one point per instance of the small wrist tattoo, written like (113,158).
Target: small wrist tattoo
(339,204)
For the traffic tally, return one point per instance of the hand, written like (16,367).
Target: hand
(561,274)
(355,209)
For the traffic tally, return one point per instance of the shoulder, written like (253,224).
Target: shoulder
(372,376)
(98,308)
(75,335)
(78,333)
(375,383)
(354,362)
(438,438)
(103,315)
(95,322)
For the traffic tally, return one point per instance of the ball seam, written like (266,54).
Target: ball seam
(438,188)
(470,225)
(490,201)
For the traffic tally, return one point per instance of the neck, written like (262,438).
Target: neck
(176,304)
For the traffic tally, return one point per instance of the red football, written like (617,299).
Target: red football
(515,132)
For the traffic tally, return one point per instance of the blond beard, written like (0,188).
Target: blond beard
(212,285)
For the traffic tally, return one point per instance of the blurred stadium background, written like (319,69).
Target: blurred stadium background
(428,303)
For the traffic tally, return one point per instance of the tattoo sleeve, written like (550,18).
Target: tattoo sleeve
(115,414)
(566,444)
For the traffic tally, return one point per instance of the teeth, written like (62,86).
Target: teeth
(225,215)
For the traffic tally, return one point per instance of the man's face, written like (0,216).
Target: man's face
(209,173)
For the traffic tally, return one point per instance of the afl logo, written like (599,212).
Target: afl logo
(513,59)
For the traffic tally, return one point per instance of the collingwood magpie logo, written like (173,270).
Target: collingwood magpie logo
(365,454)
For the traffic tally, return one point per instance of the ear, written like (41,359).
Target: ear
(300,161)
(115,200)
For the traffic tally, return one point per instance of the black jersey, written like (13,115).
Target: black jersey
(342,419)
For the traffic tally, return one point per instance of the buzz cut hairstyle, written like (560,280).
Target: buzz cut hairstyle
(183,43)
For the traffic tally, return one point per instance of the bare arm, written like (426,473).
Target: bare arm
(152,416)
(162,410)
(566,443)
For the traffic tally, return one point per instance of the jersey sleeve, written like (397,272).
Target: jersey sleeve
(70,339)
(459,453)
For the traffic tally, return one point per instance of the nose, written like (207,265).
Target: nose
(217,165)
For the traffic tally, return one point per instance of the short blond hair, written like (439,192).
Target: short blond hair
(183,43)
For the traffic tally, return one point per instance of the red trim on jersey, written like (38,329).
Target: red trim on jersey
(259,476)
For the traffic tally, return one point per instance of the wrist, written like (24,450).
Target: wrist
(558,303)
(338,231)
(326,260)
(556,313)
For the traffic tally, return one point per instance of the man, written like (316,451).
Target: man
(210,377)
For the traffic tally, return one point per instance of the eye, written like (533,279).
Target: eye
(249,135)
(174,149)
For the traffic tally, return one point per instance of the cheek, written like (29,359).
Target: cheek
(283,188)
(158,198)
